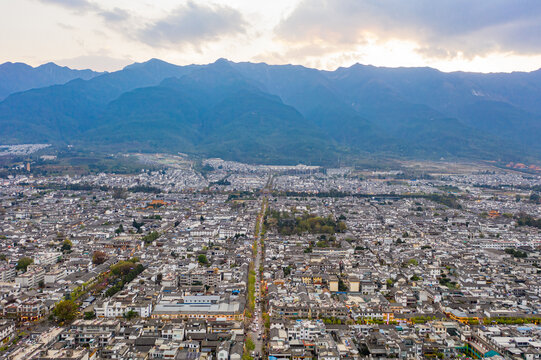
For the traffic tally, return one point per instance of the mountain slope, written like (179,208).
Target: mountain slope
(506,106)
(213,111)
(61,112)
(16,77)
(266,113)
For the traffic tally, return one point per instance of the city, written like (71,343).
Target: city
(239,261)
(270,180)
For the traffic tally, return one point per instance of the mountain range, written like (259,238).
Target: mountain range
(262,113)
(15,77)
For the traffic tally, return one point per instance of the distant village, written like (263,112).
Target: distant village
(240,261)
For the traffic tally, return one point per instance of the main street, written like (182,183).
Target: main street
(256,330)
(256,326)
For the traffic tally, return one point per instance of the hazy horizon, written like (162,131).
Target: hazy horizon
(482,36)
(260,62)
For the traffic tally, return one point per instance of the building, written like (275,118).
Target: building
(7,329)
(333,283)
(199,307)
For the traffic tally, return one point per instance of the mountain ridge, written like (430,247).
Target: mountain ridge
(17,76)
(403,112)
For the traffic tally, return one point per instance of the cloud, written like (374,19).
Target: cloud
(113,16)
(443,28)
(193,24)
(78,5)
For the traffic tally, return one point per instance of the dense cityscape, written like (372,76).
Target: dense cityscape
(225,260)
(270,180)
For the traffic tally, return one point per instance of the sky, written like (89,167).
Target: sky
(106,35)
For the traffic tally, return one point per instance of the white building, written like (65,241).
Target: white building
(117,309)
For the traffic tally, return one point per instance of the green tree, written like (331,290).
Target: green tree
(266,318)
(89,315)
(137,225)
(23,263)
(342,286)
(287,270)
(250,346)
(122,268)
(150,237)
(202,258)
(65,310)
(66,245)
(341,226)
(120,229)
(131,315)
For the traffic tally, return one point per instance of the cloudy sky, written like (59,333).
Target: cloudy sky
(469,35)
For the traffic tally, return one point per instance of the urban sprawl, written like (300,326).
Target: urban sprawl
(226,260)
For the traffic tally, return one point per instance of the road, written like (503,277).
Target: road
(256,329)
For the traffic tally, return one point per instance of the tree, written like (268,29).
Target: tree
(159,278)
(131,315)
(266,318)
(150,237)
(23,263)
(342,286)
(534,197)
(65,310)
(413,262)
(89,315)
(66,245)
(119,193)
(99,257)
(250,346)
(202,258)
(137,225)
(122,268)
(120,229)
(287,270)
(516,253)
